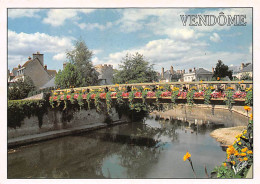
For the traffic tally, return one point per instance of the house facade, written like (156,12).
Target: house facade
(105,74)
(35,69)
(197,75)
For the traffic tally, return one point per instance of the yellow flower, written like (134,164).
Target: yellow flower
(230,150)
(186,156)
(244,149)
(245,131)
(242,81)
(201,81)
(242,154)
(247,108)
(116,85)
(236,153)
(245,158)
(233,162)
(251,116)
(240,159)
(249,152)
(239,143)
(218,78)
(225,164)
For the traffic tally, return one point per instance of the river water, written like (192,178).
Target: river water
(152,148)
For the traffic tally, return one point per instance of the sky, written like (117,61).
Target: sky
(156,33)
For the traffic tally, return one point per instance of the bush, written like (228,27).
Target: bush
(18,110)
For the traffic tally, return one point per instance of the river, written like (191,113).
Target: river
(151,148)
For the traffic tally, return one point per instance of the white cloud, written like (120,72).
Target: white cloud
(19,13)
(57,17)
(60,57)
(92,26)
(215,38)
(250,49)
(21,45)
(179,54)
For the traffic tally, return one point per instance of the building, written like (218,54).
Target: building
(35,69)
(170,75)
(243,69)
(197,75)
(105,74)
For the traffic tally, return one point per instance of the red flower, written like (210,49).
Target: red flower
(113,94)
(68,96)
(93,96)
(102,95)
(62,97)
(125,95)
(84,96)
(55,98)
(138,94)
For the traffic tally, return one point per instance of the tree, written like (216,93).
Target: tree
(20,89)
(134,69)
(222,71)
(69,77)
(81,56)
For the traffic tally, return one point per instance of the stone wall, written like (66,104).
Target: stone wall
(54,120)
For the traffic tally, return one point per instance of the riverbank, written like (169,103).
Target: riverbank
(28,139)
(227,136)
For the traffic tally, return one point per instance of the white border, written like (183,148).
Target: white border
(4,4)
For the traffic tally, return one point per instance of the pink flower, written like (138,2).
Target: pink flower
(166,94)
(62,97)
(76,96)
(113,94)
(151,94)
(68,96)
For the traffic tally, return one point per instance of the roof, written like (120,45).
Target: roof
(27,62)
(50,83)
(203,71)
(52,72)
(234,69)
(248,68)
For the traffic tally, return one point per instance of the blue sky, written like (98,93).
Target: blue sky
(158,34)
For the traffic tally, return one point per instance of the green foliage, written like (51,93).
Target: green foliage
(190,97)
(97,102)
(207,96)
(70,76)
(229,98)
(108,102)
(20,89)
(18,110)
(39,91)
(249,98)
(222,71)
(174,96)
(134,69)
(81,56)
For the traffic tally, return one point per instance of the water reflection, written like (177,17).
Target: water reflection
(152,148)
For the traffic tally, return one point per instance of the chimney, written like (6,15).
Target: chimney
(162,73)
(190,70)
(39,56)
(212,70)
(19,66)
(242,66)
(64,65)
(29,58)
(194,69)
(183,71)
(172,70)
(45,67)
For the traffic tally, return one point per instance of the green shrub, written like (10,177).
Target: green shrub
(18,110)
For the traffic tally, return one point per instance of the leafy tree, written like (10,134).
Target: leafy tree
(134,69)
(69,77)
(222,71)
(81,56)
(20,89)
